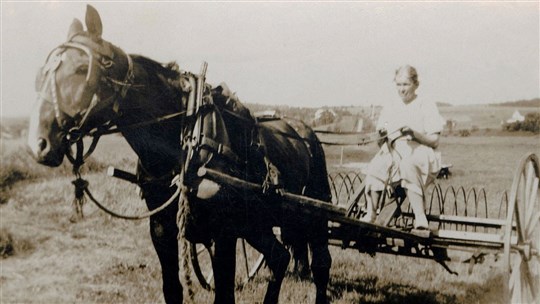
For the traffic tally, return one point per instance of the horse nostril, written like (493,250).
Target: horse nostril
(42,144)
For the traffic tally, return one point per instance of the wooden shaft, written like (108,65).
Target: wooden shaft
(121,174)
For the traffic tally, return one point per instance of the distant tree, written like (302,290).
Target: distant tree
(520,103)
(530,124)
(464,133)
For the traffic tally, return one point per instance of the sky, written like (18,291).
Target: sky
(305,54)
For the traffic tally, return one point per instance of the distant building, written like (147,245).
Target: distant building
(320,113)
(516,117)
(324,117)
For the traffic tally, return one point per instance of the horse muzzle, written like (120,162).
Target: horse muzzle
(42,153)
(40,149)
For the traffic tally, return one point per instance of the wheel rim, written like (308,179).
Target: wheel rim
(522,233)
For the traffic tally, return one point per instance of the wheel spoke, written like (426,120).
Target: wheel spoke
(529,282)
(515,279)
(531,226)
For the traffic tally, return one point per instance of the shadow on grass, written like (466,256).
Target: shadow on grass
(11,245)
(371,289)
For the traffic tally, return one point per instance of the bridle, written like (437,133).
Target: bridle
(99,56)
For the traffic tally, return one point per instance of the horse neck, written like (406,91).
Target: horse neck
(157,144)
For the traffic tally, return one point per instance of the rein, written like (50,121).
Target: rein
(364,140)
(81,188)
(99,132)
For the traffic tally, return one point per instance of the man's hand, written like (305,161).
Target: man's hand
(406,131)
(382,137)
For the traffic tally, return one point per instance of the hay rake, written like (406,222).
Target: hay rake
(459,219)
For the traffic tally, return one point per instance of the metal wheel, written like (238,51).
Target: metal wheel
(522,233)
(248,263)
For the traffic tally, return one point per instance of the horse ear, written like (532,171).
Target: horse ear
(93,22)
(75,28)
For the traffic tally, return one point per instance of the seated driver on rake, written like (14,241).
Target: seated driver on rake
(409,130)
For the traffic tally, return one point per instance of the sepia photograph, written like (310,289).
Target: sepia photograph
(270,152)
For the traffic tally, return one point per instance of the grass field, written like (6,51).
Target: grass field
(466,117)
(48,259)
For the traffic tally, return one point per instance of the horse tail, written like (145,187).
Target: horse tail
(318,186)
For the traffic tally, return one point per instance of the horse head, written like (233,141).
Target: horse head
(77,88)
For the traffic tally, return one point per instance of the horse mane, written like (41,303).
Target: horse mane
(169,70)
(168,73)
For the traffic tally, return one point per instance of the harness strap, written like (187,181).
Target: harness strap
(210,144)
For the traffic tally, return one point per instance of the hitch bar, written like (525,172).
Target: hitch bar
(121,174)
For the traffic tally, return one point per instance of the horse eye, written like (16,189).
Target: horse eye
(83,69)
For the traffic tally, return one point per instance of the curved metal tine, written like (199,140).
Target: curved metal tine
(441,204)
(452,190)
(436,191)
(464,195)
(483,195)
(335,197)
(357,178)
(430,208)
(347,186)
(338,183)
(472,192)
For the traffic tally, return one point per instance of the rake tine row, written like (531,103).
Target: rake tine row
(450,201)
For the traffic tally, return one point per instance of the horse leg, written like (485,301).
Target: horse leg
(164,232)
(321,261)
(277,258)
(224,266)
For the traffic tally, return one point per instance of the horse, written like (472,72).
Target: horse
(89,86)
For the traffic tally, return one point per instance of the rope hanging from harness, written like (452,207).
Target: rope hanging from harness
(79,183)
(79,200)
(183,201)
(182,218)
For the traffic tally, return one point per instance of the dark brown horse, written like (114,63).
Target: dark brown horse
(88,86)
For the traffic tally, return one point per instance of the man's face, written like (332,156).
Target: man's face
(405,87)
